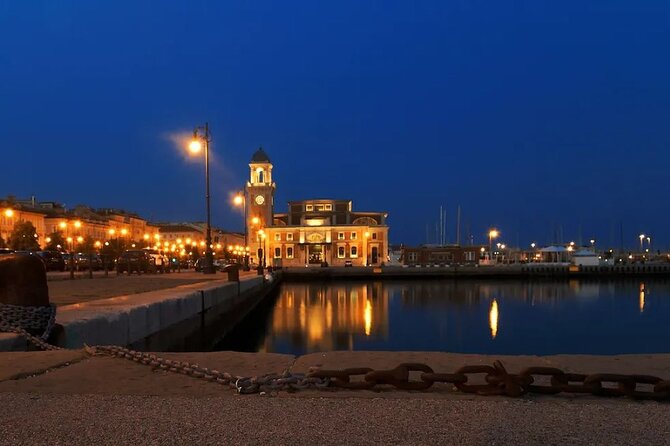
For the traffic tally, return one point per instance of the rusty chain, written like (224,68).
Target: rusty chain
(19,319)
(406,376)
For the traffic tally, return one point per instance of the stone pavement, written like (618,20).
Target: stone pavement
(83,289)
(70,398)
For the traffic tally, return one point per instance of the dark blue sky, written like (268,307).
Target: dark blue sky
(536,118)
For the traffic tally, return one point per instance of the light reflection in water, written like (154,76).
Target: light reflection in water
(318,317)
(368,317)
(493,319)
(451,315)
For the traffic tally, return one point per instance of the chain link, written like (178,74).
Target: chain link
(19,319)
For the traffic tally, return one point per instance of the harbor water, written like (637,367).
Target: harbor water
(465,316)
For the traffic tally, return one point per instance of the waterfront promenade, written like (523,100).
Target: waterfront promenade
(71,398)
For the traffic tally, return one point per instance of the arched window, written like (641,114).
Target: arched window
(261,175)
(365,221)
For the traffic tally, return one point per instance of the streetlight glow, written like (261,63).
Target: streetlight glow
(9,213)
(195,146)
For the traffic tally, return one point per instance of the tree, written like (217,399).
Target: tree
(24,237)
(111,250)
(56,241)
(87,246)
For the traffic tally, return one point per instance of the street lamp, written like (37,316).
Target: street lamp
(642,236)
(493,233)
(196,147)
(262,235)
(240,200)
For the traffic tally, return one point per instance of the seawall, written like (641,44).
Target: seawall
(133,319)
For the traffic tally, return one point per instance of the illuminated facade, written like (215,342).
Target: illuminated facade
(313,232)
(80,222)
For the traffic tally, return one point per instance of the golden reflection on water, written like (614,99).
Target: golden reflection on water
(493,319)
(321,317)
(641,297)
(368,317)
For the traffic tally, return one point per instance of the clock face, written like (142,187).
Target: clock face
(260,199)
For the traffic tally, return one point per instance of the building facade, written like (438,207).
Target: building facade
(312,232)
(189,236)
(441,255)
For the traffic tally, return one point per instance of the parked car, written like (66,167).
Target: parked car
(66,259)
(82,261)
(134,260)
(6,251)
(53,260)
(200,262)
(159,262)
(348,263)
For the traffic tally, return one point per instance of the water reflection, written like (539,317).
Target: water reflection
(314,317)
(541,317)
(493,319)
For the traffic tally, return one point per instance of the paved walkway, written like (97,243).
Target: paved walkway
(70,398)
(83,289)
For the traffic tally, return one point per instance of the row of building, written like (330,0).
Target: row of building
(106,224)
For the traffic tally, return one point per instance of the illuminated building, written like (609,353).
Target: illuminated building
(312,231)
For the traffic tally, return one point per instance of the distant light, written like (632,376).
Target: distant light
(9,213)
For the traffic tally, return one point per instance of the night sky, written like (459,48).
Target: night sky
(548,121)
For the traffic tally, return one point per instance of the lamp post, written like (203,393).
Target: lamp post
(196,147)
(241,200)
(493,233)
(642,236)
(262,261)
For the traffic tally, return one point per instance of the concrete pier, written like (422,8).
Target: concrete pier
(512,271)
(129,319)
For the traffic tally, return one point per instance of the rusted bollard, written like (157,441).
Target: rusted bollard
(23,281)
(24,296)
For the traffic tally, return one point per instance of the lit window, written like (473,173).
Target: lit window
(340,252)
(340,235)
(319,207)
(277,236)
(329,207)
(354,251)
(353,236)
(374,236)
(289,236)
(289,252)
(309,207)
(277,253)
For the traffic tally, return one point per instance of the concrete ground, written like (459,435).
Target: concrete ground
(71,398)
(83,289)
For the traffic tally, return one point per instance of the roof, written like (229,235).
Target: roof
(554,249)
(260,156)
(177,228)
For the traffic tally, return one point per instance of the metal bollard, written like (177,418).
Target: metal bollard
(23,281)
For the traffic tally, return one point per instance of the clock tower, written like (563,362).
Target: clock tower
(259,197)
